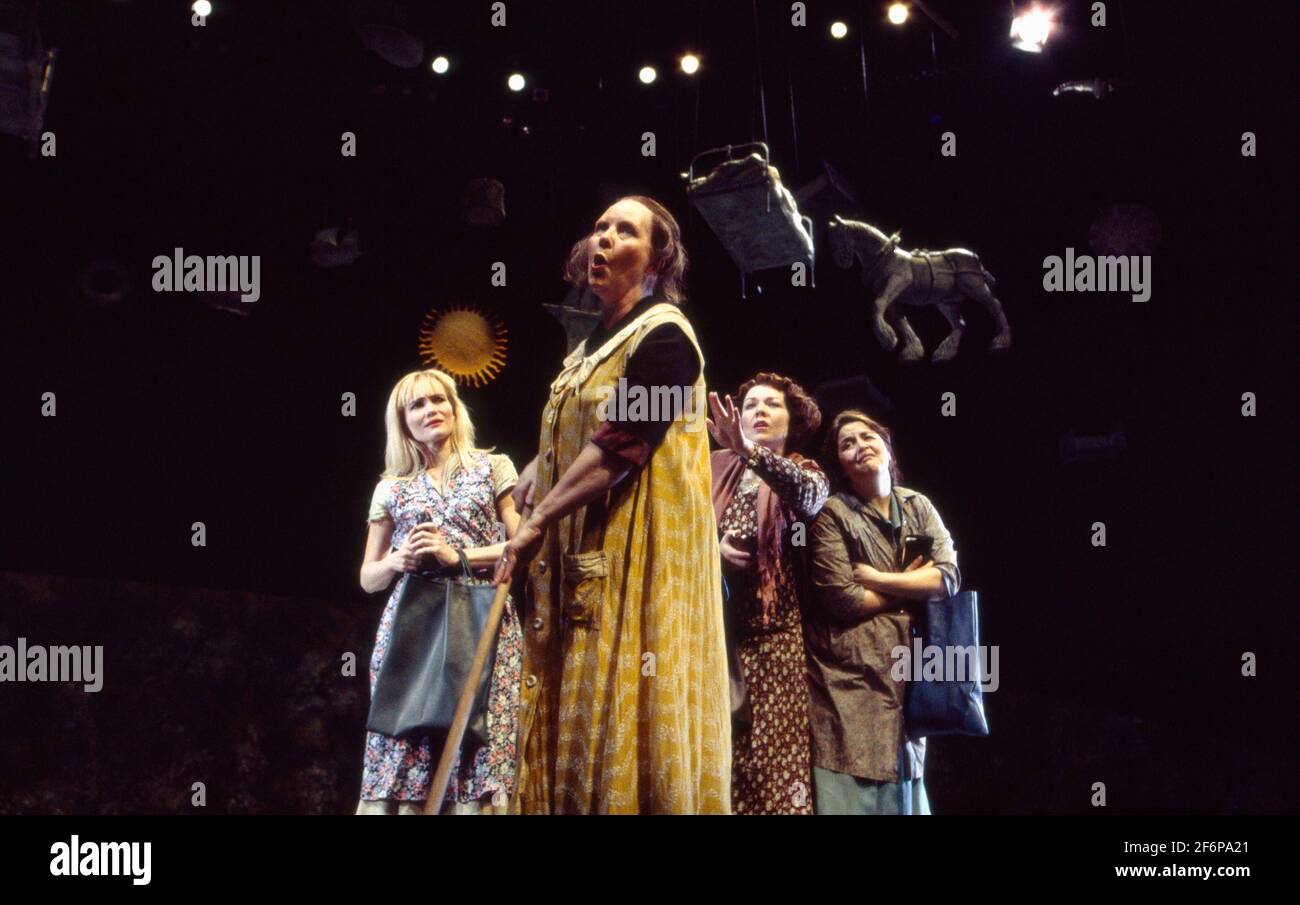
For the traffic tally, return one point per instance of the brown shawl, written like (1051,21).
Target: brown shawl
(773,516)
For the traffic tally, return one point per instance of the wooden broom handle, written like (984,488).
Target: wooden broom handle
(438,788)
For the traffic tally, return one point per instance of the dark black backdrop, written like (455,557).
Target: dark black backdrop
(224,140)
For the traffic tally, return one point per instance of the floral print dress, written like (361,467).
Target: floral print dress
(771,759)
(465,511)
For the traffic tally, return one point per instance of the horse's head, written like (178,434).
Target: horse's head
(838,233)
(853,237)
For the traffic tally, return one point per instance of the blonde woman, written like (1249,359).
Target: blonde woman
(440,495)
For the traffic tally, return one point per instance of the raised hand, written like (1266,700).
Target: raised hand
(724,426)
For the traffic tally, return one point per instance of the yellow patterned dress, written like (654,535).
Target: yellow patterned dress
(624,706)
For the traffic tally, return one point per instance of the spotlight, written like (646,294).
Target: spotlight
(839,30)
(516,82)
(1031,30)
(690,64)
(647,74)
(897,13)
(202,8)
(440,65)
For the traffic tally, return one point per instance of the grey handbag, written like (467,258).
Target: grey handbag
(435,633)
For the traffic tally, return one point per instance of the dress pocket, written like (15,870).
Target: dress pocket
(584,579)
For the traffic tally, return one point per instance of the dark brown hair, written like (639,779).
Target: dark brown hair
(805,416)
(832,443)
(668,260)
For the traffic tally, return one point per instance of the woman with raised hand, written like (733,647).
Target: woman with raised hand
(765,498)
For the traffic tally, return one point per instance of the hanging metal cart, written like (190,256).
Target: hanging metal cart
(754,216)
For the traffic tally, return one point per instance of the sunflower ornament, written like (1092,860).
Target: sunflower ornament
(465,342)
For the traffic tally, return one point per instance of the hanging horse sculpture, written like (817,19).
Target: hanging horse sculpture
(896,277)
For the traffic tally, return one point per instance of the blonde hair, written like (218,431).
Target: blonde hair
(405,458)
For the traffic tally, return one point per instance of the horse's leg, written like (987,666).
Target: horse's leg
(946,350)
(893,289)
(912,350)
(976,287)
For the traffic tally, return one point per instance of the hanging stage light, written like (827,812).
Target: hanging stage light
(647,75)
(516,82)
(1032,29)
(690,64)
(898,13)
(202,8)
(839,30)
(441,65)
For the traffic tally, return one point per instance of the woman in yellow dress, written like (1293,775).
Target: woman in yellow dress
(624,704)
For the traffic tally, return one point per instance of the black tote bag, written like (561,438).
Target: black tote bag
(435,633)
(951,706)
(742,711)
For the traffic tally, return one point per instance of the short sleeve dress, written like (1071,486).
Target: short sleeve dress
(465,511)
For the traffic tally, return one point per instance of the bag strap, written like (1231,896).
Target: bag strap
(896,530)
(465,570)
